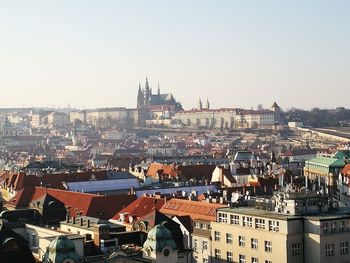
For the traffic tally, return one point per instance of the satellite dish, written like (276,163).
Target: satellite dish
(235,197)
(131,219)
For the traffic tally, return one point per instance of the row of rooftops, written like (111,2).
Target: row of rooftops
(236,111)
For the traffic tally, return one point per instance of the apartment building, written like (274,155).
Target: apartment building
(290,227)
(250,235)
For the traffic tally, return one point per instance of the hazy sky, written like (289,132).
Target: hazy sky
(236,53)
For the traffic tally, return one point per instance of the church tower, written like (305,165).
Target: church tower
(140,97)
(147,92)
(200,104)
(207,106)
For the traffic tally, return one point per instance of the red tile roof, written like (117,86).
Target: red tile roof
(194,209)
(20,180)
(99,206)
(141,207)
(187,172)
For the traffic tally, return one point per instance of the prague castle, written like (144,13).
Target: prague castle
(155,106)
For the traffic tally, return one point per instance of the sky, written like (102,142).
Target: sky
(88,54)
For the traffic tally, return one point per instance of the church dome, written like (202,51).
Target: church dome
(61,249)
(158,238)
(62,243)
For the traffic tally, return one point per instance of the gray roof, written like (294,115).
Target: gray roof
(103,185)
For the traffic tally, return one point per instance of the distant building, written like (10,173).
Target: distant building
(155,106)
(226,118)
(57,119)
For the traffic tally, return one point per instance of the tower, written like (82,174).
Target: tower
(61,249)
(158,89)
(140,97)
(147,93)
(207,105)
(160,245)
(200,105)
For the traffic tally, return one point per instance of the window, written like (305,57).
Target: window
(229,256)
(333,227)
(341,226)
(242,259)
(234,219)
(296,249)
(217,253)
(274,226)
(268,261)
(241,241)
(205,260)
(247,221)
(268,246)
(195,244)
(329,250)
(255,260)
(217,236)
(344,248)
(324,228)
(222,218)
(254,243)
(229,238)
(259,223)
(205,245)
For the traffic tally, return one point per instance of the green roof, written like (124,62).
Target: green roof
(326,161)
(158,238)
(343,154)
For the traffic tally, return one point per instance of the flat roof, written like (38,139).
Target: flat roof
(339,214)
(258,213)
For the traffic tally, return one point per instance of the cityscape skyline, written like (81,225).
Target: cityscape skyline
(237,55)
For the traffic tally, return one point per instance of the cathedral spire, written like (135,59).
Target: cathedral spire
(200,104)
(147,92)
(158,89)
(140,97)
(207,105)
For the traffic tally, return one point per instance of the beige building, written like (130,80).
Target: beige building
(252,235)
(122,116)
(201,241)
(39,238)
(57,119)
(290,227)
(212,118)
(226,118)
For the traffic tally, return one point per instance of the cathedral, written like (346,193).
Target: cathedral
(155,106)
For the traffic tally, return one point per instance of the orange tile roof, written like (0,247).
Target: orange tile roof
(346,170)
(194,209)
(165,168)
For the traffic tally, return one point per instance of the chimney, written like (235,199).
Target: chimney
(74,220)
(88,223)
(81,221)
(67,218)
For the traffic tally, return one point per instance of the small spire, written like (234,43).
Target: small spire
(200,105)
(207,106)
(158,89)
